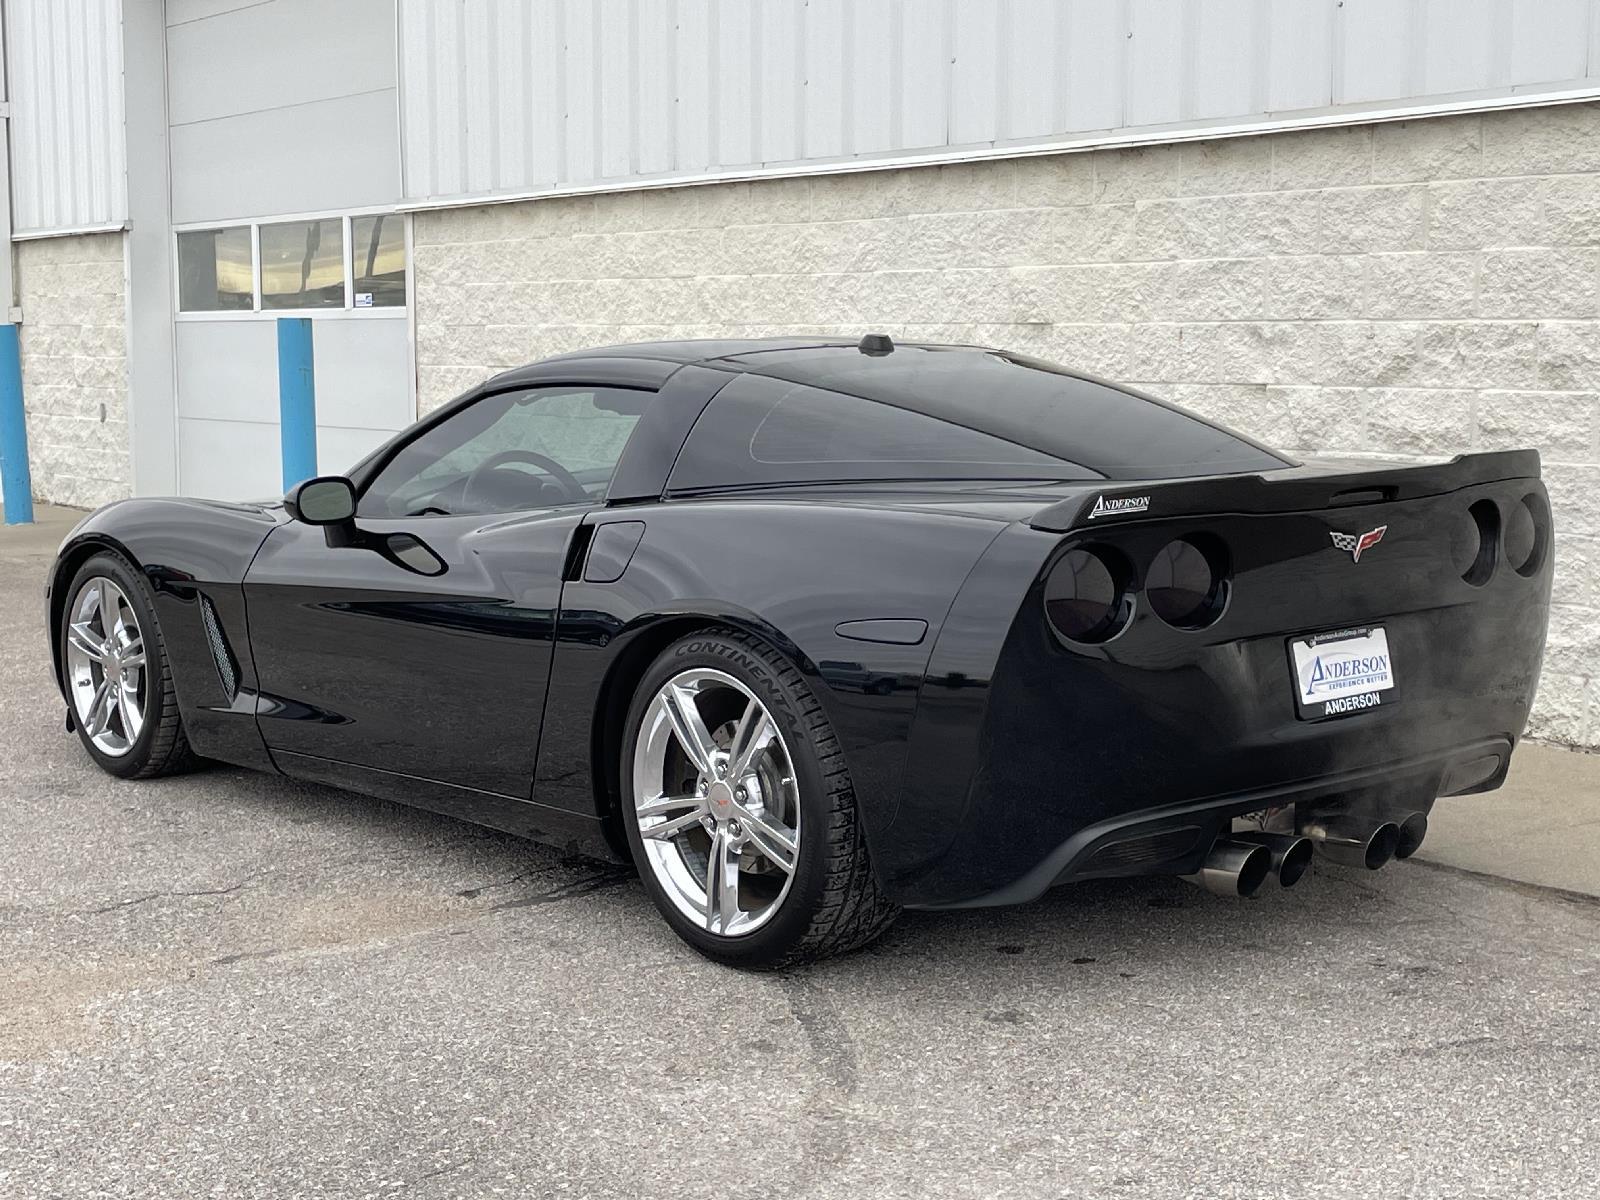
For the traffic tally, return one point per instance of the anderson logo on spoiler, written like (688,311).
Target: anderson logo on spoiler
(1119,506)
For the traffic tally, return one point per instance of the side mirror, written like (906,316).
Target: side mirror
(325,500)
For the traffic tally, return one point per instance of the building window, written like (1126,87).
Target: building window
(378,261)
(302,264)
(294,266)
(215,273)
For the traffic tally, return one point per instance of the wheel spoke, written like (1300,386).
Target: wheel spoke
(662,805)
(100,709)
(130,645)
(690,727)
(97,606)
(132,714)
(82,638)
(722,883)
(672,827)
(775,842)
(752,736)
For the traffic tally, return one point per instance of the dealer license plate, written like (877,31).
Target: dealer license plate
(1340,673)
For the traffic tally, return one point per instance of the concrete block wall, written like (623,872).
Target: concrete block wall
(1417,288)
(74,367)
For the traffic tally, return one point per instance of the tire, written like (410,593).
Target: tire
(830,902)
(156,744)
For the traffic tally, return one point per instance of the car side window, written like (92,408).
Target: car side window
(764,430)
(510,452)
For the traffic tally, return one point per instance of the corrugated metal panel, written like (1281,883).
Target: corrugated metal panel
(1542,42)
(65,68)
(510,97)
(1299,66)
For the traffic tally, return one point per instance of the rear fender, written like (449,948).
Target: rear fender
(789,574)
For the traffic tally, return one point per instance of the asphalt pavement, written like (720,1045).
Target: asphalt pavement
(229,984)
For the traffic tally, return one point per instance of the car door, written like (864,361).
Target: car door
(419,643)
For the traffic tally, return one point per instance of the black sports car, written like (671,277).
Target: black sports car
(813,630)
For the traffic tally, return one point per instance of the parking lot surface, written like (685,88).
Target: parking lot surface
(235,985)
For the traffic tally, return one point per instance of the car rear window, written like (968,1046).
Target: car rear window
(844,416)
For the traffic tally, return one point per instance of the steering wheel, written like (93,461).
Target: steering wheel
(565,479)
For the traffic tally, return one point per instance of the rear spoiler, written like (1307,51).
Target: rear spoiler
(1311,486)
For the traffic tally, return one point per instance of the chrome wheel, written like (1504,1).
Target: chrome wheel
(106,666)
(716,803)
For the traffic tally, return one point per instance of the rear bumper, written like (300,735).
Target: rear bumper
(1173,839)
(1030,754)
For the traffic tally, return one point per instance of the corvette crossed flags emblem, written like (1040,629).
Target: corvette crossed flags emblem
(1355,543)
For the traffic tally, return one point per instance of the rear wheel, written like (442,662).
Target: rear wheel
(739,810)
(118,682)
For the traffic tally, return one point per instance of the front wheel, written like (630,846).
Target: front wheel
(739,810)
(118,681)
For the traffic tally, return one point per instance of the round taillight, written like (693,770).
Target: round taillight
(1526,532)
(1187,583)
(1476,545)
(1086,595)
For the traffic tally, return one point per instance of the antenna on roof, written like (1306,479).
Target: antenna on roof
(876,344)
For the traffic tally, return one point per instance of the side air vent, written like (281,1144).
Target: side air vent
(227,669)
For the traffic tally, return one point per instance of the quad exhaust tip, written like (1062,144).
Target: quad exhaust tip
(1412,830)
(1354,844)
(1240,864)
(1233,868)
(1291,854)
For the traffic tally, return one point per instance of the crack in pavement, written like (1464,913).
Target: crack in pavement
(568,891)
(227,960)
(137,900)
(472,893)
(829,1138)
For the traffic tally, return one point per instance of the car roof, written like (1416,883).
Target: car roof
(900,374)
(1105,429)
(703,350)
(809,359)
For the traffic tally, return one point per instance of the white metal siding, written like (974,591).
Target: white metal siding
(508,97)
(64,63)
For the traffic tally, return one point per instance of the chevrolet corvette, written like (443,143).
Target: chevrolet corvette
(813,630)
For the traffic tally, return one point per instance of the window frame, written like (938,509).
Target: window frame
(348,310)
(367,472)
(177,269)
(350,259)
